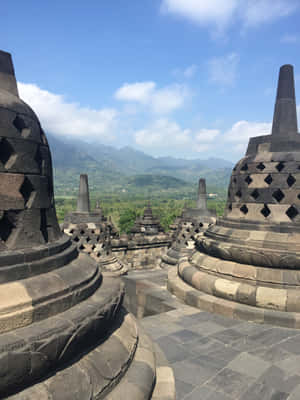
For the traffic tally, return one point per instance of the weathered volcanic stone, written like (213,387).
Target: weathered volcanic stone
(64,333)
(83,202)
(147,224)
(143,248)
(192,223)
(91,232)
(251,256)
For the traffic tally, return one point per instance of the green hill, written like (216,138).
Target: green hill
(158,181)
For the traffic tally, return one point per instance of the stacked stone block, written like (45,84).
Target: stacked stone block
(144,247)
(64,333)
(249,260)
(192,223)
(91,232)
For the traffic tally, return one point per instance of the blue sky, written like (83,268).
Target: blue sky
(187,78)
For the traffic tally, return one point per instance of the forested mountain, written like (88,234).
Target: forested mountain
(128,169)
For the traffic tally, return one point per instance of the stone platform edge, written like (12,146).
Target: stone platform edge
(231,309)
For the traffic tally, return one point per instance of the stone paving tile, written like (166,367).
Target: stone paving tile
(231,382)
(263,392)
(184,336)
(209,361)
(295,395)
(279,379)
(272,336)
(290,365)
(182,389)
(193,373)
(206,393)
(173,350)
(164,329)
(227,336)
(250,365)
(292,345)
(250,328)
(206,328)
(272,354)
(218,358)
(194,319)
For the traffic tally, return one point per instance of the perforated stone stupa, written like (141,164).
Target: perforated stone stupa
(192,223)
(63,331)
(248,264)
(143,248)
(91,232)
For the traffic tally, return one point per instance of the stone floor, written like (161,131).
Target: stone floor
(217,358)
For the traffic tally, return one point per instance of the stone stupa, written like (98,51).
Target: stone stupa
(147,225)
(144,246)
(64,333)
(92,232)
(248,263)
(192,223)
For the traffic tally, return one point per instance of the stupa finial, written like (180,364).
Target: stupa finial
(83,202)
(7,74)
(201,200)
(285,113)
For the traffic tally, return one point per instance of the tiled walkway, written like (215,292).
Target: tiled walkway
(216,358)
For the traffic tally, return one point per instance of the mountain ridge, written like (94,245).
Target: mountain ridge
(109,167)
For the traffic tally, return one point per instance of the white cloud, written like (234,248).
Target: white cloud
(242,131)
(139,91)
(202,147)
(190,71)
(207,135)
(160,101)
(163,134)
(166,134)
(289,38)
(223,70)
(256,12)
(62,118)
(201,11)
(221,13)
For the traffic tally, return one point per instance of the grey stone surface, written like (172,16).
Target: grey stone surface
(7,74)
(83,202)
(64,333)
(235,360)
(285,114)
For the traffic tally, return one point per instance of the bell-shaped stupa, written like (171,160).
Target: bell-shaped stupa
(192,223)
(64,333)
(248,263)
(91,232)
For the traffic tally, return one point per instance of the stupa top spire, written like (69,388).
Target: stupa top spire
(7,74)
(285,113)
(83,202)
(201,200)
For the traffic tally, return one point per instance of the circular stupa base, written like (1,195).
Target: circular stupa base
(111,266)
(245,291)
(196,298)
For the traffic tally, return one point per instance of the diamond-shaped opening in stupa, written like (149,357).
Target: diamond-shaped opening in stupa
(261,166)
(6,151)
(6,226)
(292,212)
(269,179)
(280,166)
(290,180)
(26,189)
(278,195)
(265,211)
(255,194)
(244,209)
(19,123)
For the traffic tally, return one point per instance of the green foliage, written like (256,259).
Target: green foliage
(125,210)
(127,219)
